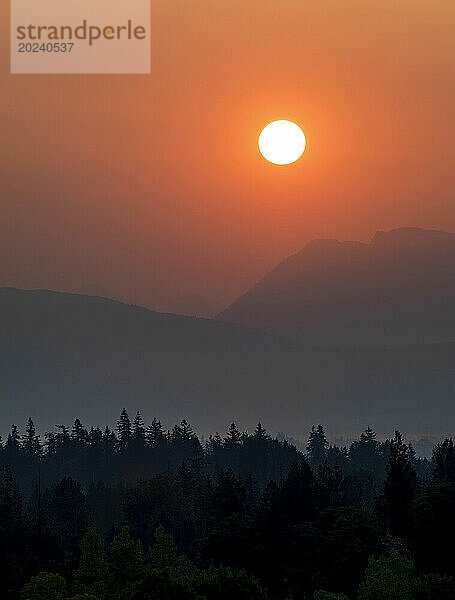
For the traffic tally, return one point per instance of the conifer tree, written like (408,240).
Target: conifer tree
(45,586)
(182,442)
(91,577)
(197,459)
(66,513)
(328,483)
(233,437)
(399,487)
(125,559)
(297,493)
(183,432)
(366,453)
(138,429)
(260,433)
(164,552)
(229,495)
(390,577)
(155,436)
(124,431)
(79,433)
(10,502)
(109,441)
(317,446)
(12,446)
(30,441)
(444,461)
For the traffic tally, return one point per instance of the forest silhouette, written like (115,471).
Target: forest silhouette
(145,513)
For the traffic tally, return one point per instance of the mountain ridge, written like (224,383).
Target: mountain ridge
(397,290)
(64,356)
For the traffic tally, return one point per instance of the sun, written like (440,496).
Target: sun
(282,142)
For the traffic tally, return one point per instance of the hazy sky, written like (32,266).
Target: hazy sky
(152,186)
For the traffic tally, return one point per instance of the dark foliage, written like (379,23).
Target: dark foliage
(144,513)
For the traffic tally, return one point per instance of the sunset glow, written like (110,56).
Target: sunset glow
(153,177)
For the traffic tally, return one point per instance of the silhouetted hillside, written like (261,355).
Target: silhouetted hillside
(62,354)
(398,290)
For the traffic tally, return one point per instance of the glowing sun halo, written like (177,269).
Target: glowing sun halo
(282,142)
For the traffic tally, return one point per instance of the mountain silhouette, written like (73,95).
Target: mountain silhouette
(399,290)
(66,355)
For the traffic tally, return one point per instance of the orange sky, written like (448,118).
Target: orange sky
(152,186)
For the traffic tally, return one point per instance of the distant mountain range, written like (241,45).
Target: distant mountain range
(66,355)
(397,291)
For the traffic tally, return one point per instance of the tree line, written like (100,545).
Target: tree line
(141,513)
